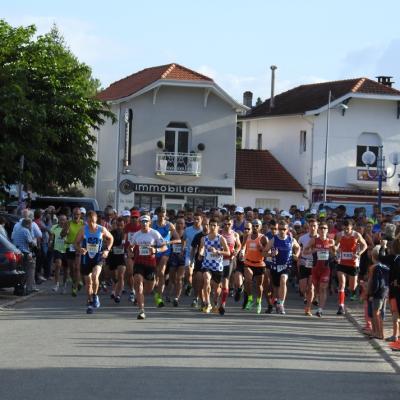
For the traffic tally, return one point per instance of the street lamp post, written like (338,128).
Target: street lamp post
(369,158)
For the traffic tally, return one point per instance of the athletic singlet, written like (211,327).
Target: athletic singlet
(283,259)
(253,255)
(143,242)
(211,261)
(73,231)
(165,232)
(321,255)
(230,240)
(305,260)
(238,228)
(348,250)
(92,242)
(119,242)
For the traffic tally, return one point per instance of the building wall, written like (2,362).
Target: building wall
(269,199)
(362,116)
(281,136)
(214,125)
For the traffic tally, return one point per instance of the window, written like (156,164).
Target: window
(259,141)
(148,201)
(367,141)
(206,202)
(267,203)
(177,138)
(361,150)
(303,141)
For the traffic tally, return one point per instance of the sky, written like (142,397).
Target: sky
(234,42)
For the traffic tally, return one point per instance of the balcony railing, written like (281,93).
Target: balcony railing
(178,164)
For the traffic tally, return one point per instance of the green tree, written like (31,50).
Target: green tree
(48,111)
(259,101)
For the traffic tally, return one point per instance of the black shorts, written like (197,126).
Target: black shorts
(147,271)
(239,266)
(257,271)
(176,260)
(216,276)
(70,255)
(304,272)
(352,271)
(198,265)
(276,276)
(115,260)
(87,268)
(59,256)
(227,272)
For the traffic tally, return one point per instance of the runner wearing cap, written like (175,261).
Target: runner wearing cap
(254,266)
(282,248)
(168,233)
(238,222)
(130,228)
(88,244)
(145,244)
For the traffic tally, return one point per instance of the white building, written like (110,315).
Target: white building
(173,143)
(363,115)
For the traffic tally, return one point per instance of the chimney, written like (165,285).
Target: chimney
(272,99)
(248,99)
(385,80)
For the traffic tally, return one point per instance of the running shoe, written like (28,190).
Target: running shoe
(249,305)
(340,311)
(392,339)
(112,296)
(269,309)
(258,308)
(56,288)
(207,309)
(74,292)
(89,309)
(282,309)
(161,304)
(131,297)
(238,294)
(214,309)
(175,303)
(318,313)
(167,299)
(157,298)
(96,301)
(141,315)
(221,310)
(307,313)
(194,303)
(315,303)
(117,299)
(188,290)
(354,297)
(80,285)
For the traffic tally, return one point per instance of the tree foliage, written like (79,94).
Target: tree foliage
(259,101)
(48,111)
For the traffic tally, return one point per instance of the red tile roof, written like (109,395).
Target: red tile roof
(310,97)
(139,80)
(259,169)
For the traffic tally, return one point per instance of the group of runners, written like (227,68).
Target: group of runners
(250,254)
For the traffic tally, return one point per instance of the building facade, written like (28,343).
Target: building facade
(173,142)
(361,115)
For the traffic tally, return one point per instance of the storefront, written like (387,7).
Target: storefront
(171,196)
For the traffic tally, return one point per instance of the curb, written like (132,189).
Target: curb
(22,299)
(380,346)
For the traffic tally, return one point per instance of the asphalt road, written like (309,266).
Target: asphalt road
(50,349)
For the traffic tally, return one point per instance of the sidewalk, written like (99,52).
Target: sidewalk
(355,314)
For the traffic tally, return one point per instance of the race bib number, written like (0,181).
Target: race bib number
(177,248)
(118,250)
(72,247)
(92,249)
(280,268)
(308,263)
(59,242)
(323,255)
(213,257)
(144,251)
(346,255)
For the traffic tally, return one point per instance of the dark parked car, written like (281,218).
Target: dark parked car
(11,270)
(11,220)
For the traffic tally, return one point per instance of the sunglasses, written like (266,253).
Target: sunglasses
(255,226)
(281,229)
(246,229)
